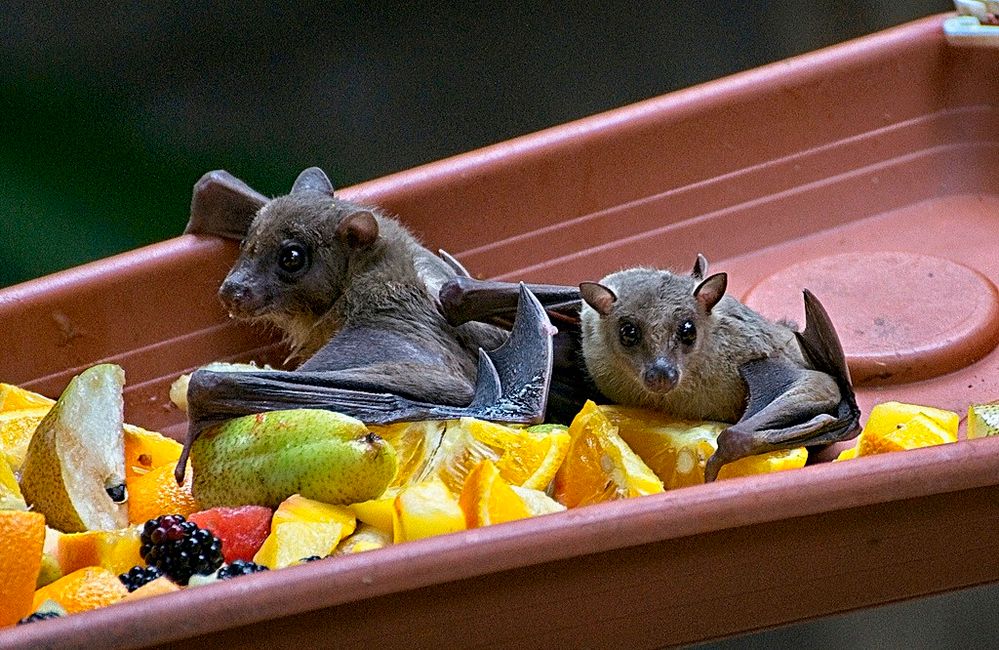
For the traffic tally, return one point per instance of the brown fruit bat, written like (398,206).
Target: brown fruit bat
(678,344)
(356,296)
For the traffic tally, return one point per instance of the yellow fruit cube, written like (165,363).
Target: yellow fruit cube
(377,512)
(919,431)
(425,509)
(299,508)
(887,416)
(161,585)
(115,550)
(291,541)
(303,527)
(365,538)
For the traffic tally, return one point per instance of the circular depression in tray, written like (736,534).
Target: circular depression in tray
(900,316)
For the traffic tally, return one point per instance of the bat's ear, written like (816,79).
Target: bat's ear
(223,205)
(711,290)
(358,230)
(700,267)
(312,179)
(598,296)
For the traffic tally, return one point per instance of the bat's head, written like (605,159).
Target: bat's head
(641,327)
(295,261)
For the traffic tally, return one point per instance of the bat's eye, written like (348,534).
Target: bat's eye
(629,333)
(687,332)
(293,257)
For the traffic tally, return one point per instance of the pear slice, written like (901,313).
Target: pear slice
(264,459)
(76,459)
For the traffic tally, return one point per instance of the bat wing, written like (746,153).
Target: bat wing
(790,406)
(511,385)
(223,205)
(466,299)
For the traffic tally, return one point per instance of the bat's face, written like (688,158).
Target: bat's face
(291,267)
(638,337)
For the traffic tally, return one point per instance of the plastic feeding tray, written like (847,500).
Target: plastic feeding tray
(865,171)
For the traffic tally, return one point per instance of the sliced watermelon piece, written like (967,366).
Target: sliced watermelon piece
(241,529)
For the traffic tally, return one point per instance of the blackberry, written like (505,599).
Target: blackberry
(179,548)
(138,576)
(239,568)
(38,616)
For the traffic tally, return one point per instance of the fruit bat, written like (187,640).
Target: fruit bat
(356,296)
(677,343)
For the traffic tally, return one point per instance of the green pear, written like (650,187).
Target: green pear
(263,459)
(76,458)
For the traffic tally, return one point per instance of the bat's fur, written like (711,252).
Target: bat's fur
(387,284)
(707,381)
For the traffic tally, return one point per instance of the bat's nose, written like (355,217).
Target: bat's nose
(661,375)
(235,295)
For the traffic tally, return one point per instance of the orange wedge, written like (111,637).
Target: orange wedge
(528,457)
(599,465)
(157,493)
(83,590)
(147,450)
(414,444)
(14,398)
(22,537)
(488,499)
(677,450)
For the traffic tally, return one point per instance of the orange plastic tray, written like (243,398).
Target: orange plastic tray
(865,169)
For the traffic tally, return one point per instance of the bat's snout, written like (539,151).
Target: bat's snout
(238,297)
(661,376)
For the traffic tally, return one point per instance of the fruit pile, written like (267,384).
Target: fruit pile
(91,514)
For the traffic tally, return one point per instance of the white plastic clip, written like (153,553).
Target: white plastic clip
(976,25)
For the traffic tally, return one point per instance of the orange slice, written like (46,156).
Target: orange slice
(83,590)
(488,499)
(22,537)
(157,493)
(599,465)
(14,398)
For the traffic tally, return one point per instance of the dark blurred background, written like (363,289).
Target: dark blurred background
(111,111)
